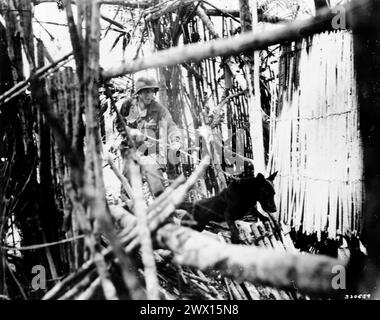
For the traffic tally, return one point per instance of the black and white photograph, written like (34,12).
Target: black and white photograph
(211,152)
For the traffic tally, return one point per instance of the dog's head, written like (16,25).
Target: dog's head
(266,192)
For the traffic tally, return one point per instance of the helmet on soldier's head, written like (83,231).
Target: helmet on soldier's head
(146,83)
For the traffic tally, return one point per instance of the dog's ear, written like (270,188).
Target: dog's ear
(272,176)
(260,176)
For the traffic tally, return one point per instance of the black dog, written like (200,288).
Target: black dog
(234,202)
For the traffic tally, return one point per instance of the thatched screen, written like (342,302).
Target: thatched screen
(315,142)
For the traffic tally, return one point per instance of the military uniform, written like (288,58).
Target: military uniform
(153,122)
(154,119)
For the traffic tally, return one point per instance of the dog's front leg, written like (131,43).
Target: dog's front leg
(231,224)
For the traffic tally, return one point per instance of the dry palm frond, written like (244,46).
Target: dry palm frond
(315,141)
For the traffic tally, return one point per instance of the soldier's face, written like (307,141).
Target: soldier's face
(147,96)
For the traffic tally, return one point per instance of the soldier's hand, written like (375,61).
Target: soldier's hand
(134,132)
(175,146)
(114,147)
(137,135)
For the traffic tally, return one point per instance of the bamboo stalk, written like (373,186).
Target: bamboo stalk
(27,31)
(21,86)
(249,21)
(62,141)
(79,287)
(160,213)
(18,284)
(75,38)
(80,17)
(234,293)
(128,239)
(252,290)
(150,271)
(90,291)
(211,28)
(94,188)
(120,176)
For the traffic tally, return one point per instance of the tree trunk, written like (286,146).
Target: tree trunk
(6,82)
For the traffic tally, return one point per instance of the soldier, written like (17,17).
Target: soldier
(151,125)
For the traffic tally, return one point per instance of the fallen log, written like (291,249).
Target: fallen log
(266,266)
(307,272)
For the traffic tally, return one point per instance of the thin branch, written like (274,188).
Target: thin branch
(115,23)
(15,279)
(114,17)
